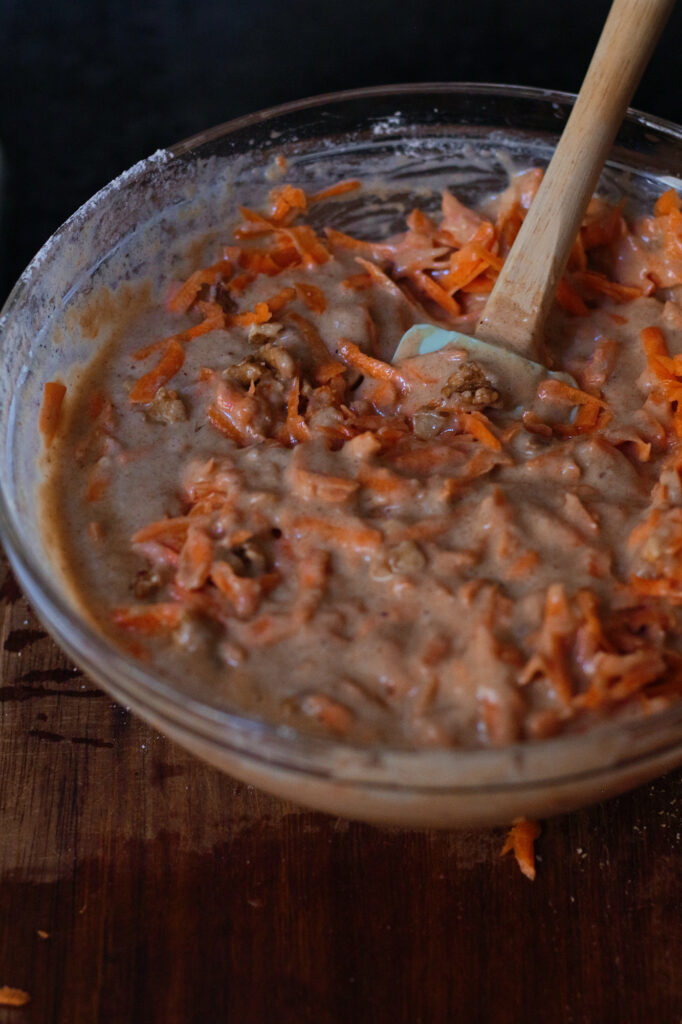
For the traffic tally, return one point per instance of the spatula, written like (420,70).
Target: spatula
(508,340)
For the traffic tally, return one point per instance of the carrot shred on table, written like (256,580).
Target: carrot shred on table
(521,842)
(13,996)
(51,410)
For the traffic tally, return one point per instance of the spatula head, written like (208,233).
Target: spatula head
(513,376)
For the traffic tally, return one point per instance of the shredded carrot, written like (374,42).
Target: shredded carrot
(195,559)
(521,841)
(296,426)
(341,241)
(213,322)
(328,370)
(277,302)
(310,335)
(554,390)
(479,426)
(601,228)
(321,486)
(509,225)
(170,364)
(669,589)
(254,224)
(183,299)
(149,619)
(358,282)
(330,713)
(656,350)
(51,410)
(307,244)
(353,537)
(340,189)
(434,291)
(667,203)
(353,356)
(286,202)
(259,315)
(312,296)
(243,592)
(597,282)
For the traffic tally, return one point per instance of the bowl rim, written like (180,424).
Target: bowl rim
(244,734)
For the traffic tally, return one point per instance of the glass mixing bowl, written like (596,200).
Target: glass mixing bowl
(413,139)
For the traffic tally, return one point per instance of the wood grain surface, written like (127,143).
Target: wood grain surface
(139,885)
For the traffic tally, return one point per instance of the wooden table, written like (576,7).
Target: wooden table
(139,885)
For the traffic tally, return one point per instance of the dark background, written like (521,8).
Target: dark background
(88,87)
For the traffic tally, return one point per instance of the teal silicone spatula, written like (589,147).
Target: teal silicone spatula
(509,336)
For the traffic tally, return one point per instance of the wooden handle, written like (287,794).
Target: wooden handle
(517,308)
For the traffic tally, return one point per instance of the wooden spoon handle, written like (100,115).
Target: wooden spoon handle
(517,308)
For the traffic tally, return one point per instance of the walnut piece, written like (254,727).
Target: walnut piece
(470,386)
(149,582)
(248,371)
(166,407)
(273,361)
(259,333)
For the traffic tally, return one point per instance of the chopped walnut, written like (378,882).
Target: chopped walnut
(245,559)
(273,361)
(231,653)
(222,296)
(253,561)
(430,421)
(166,407)
(406,557)
(470,386)
(148,582)
(280,359)
(260,333)
(249,371)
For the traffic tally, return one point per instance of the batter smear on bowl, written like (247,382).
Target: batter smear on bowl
(394,554)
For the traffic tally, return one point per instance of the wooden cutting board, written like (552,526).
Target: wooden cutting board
(139,885)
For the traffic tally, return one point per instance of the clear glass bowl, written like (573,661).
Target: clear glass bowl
(414,138)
